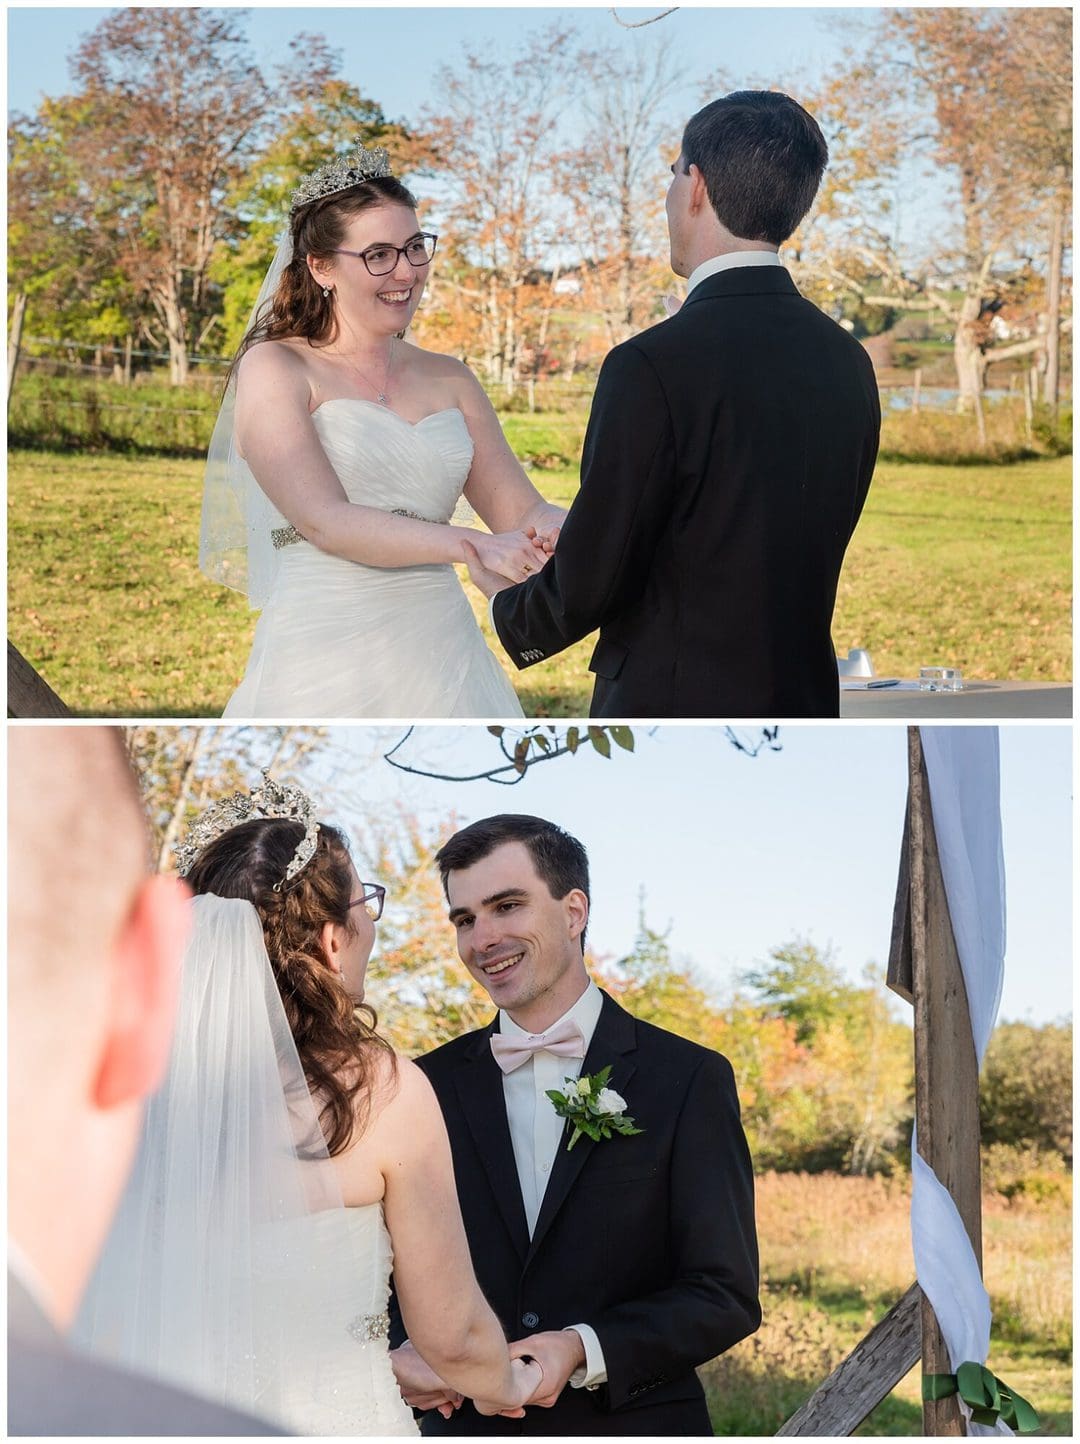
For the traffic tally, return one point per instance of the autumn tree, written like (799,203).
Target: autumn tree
(60,250)
(172,106)
(616,176)
(421,990)
(493,130)
(951,88)
(651,984)
(844,1099)
(1041,79)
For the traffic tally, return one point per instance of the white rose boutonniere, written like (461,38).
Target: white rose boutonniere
(592,1107)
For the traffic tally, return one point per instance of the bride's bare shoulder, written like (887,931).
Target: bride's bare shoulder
(401,1096)
(274,362)
(450,374)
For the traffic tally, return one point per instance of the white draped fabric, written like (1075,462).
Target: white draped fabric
(963,768)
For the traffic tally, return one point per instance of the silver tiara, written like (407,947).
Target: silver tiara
(271,799)
(341,173)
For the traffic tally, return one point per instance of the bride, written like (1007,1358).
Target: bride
(338,458)
(291,1159)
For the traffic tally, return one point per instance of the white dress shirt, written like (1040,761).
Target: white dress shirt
(20,1267)
(729,263)
(536,1132)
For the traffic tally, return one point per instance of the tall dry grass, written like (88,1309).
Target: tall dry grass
(835,1256)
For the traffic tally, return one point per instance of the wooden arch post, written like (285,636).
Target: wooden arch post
(28,693)
(924,968)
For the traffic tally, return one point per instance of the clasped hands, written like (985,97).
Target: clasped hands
(554,1356)
(502,559)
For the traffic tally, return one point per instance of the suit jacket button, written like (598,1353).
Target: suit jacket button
(530,1320)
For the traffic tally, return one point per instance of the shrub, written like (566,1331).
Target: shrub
(946,438)
(1026,1173)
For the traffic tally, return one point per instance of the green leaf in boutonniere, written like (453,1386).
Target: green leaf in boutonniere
(594,1109)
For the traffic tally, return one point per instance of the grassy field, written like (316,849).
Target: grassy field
(836,1255)
(962,565)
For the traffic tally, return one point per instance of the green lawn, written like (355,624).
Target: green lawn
(961,565)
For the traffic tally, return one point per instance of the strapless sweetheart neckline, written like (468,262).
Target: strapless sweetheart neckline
(388,410)
(340,639)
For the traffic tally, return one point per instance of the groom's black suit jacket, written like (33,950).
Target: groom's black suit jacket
(649,1239)
(727,458)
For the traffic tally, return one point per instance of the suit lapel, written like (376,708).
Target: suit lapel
(613,1042)
(480,1090)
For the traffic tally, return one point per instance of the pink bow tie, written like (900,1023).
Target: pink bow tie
(566,1040)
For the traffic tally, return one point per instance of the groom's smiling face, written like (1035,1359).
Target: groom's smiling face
(520,943)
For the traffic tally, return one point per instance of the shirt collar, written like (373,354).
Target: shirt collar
(585,1013)
(26,1275)
(729,263)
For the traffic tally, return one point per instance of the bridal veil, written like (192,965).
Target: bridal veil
(231,1233)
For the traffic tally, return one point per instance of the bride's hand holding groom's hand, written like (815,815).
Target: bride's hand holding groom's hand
(418,1383)
(560,1353)
(528,1376)
(494,564)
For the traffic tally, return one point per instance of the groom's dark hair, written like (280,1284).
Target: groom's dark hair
(762,156)
(560,859)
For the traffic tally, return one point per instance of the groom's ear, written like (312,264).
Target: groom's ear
(577,911)
(699,194)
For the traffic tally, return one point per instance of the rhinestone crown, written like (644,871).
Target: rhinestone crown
(270,799)
(342,172)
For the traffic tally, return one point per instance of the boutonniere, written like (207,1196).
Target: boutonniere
(592,1107)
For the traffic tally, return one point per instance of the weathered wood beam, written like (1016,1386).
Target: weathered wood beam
(946,1069)
(28,694)
(871,1371)
(898,974)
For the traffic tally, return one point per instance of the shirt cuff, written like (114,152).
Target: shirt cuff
(491,612)
(593,1372)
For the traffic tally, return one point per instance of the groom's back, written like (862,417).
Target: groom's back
(775,418)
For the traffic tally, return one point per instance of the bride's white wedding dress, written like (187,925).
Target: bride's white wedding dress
(339,1380)
(338,639)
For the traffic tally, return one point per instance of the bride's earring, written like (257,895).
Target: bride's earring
(326,290)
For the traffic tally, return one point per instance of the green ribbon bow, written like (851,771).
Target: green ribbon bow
(988,1397)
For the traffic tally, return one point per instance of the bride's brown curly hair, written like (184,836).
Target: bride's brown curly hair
(298,307)
(336,1037)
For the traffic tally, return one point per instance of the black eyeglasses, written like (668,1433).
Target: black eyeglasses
(381,260)
(373,899)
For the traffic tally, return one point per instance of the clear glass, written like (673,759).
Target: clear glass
(941,679)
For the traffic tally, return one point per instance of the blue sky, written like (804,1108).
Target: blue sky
(739,855)
(393,53)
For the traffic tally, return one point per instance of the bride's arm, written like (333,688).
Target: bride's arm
(499,489)
(449,1322)
(278,440)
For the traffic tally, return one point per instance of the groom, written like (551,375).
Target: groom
(621,1264)
(727,458)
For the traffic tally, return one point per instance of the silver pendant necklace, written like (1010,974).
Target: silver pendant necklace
(380,395)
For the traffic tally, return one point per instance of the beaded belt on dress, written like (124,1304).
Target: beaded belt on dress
(366,1328)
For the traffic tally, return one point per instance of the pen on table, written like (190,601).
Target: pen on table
(883,682)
